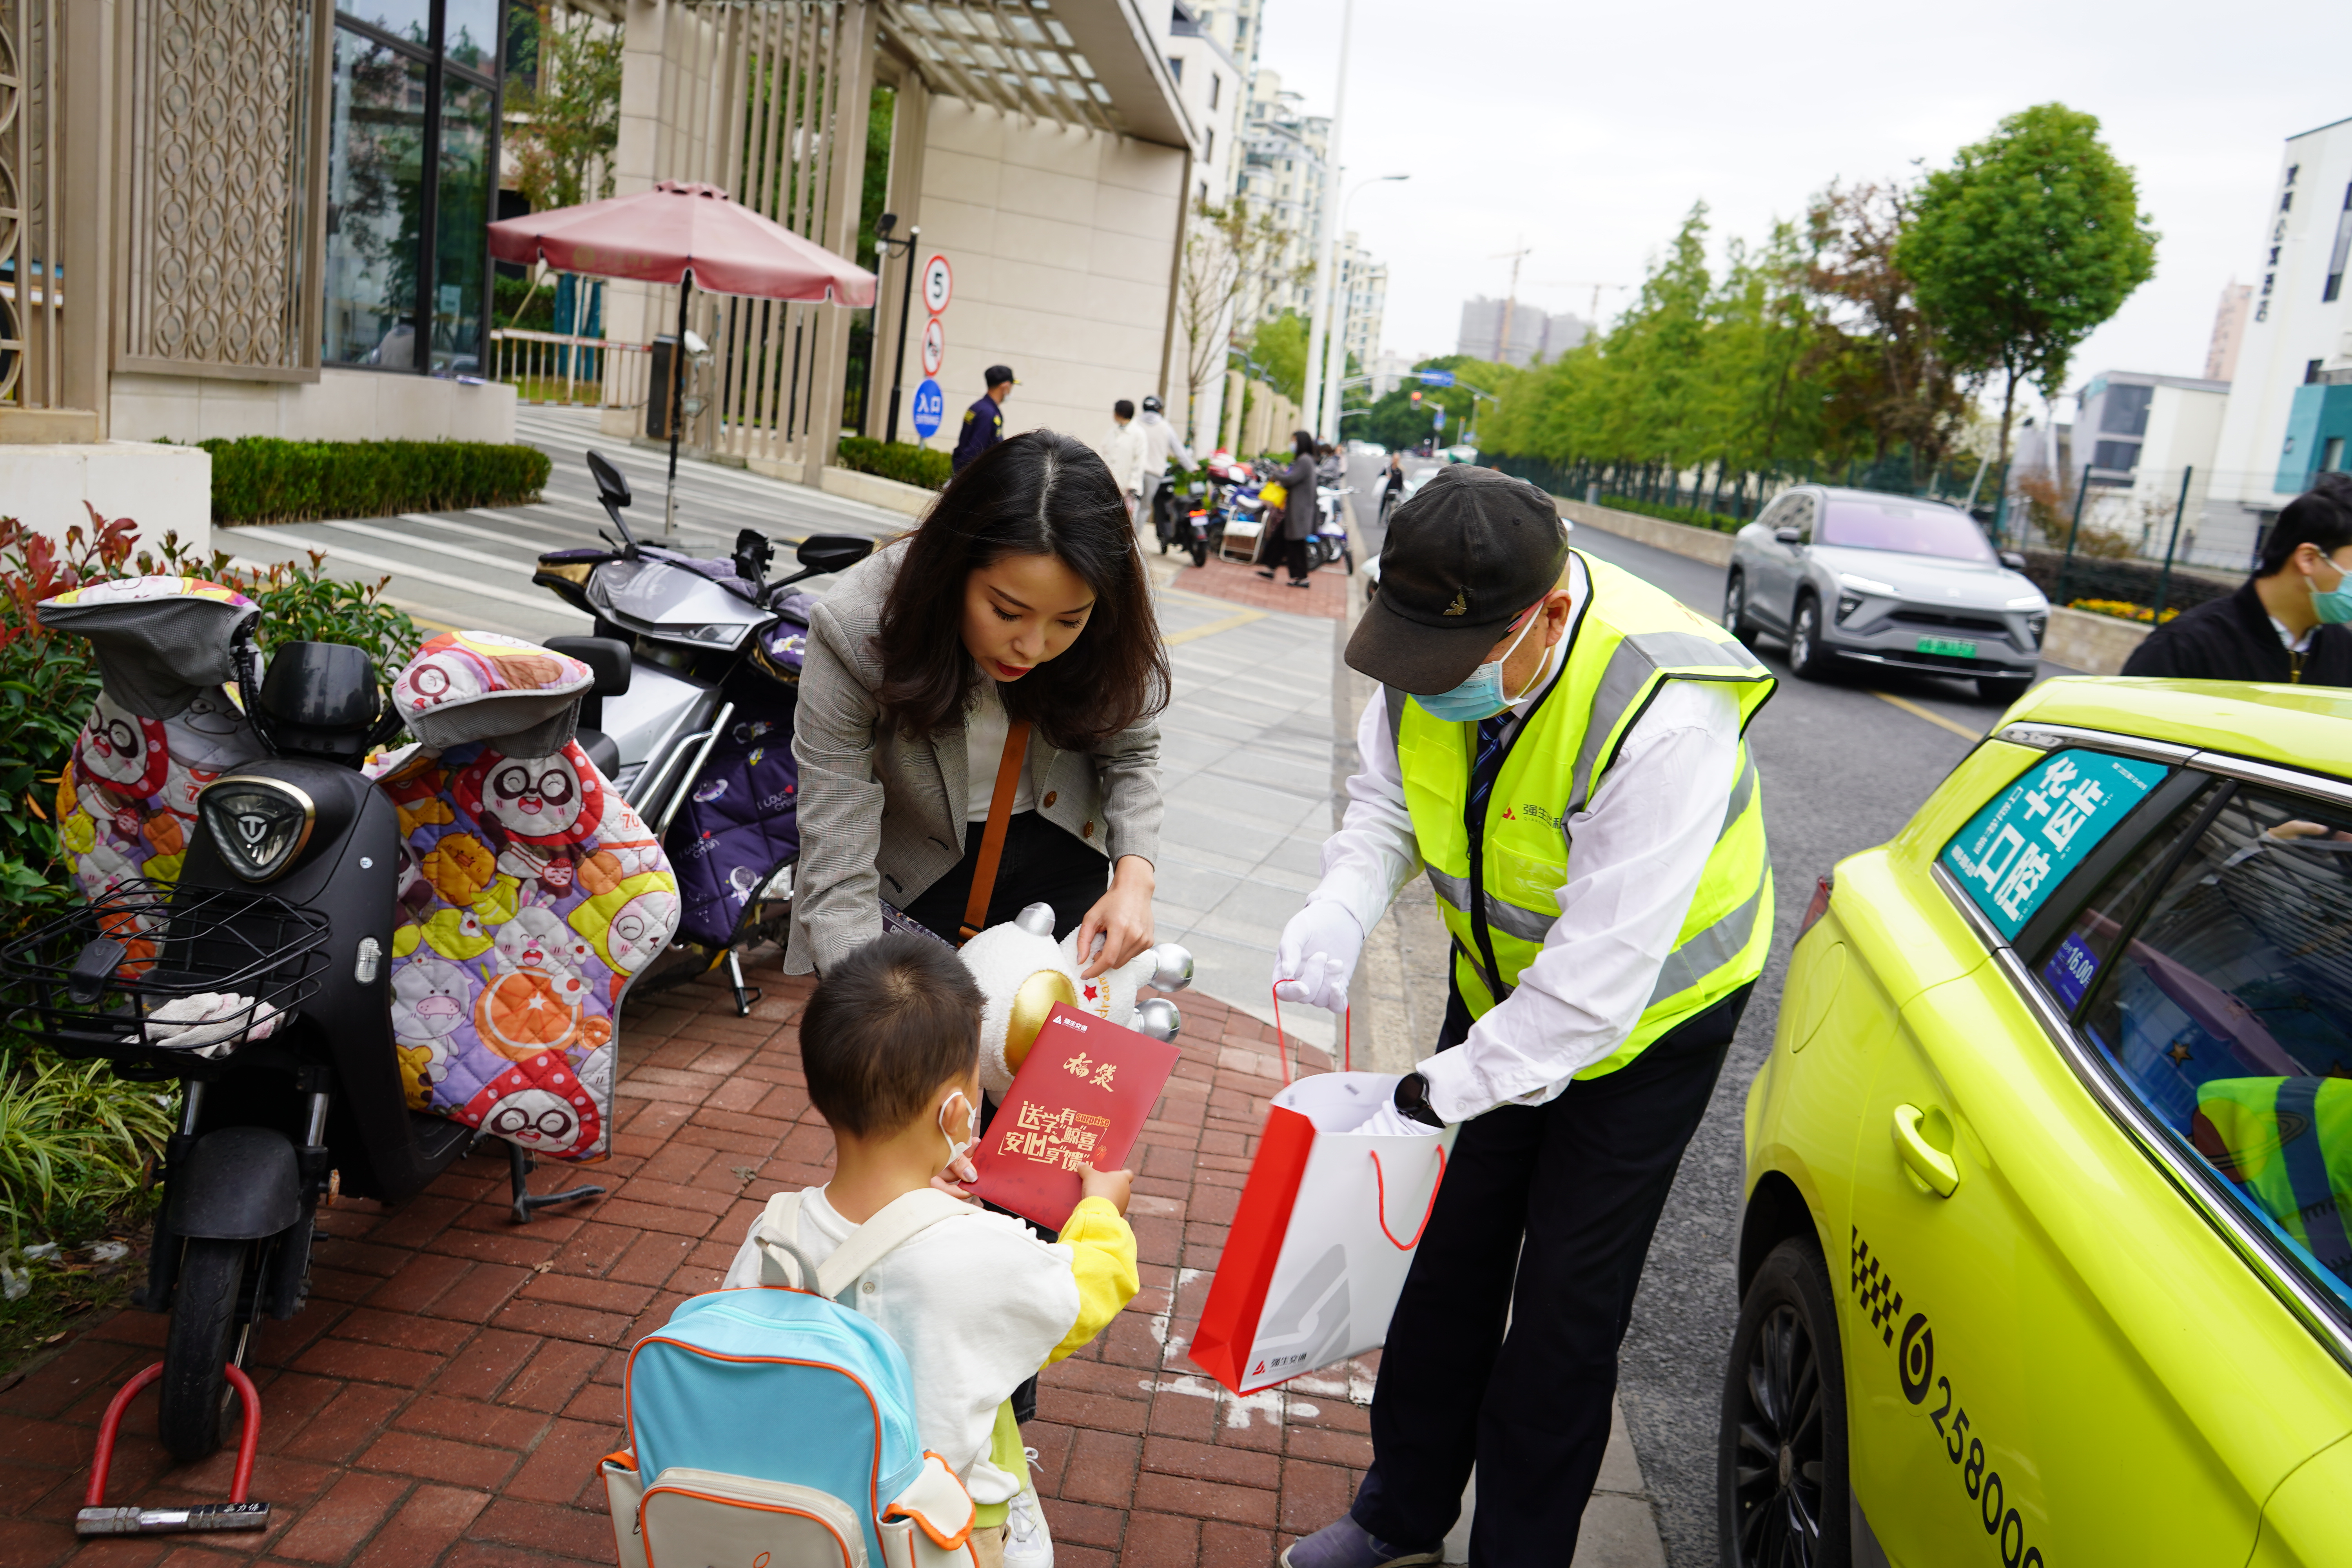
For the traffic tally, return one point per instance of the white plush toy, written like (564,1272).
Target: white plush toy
(1023,971)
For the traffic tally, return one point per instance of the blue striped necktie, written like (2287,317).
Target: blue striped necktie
(1487,766)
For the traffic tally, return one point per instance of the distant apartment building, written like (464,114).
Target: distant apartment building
(1213,86)
(1364,288)
(1286,174)
(2228,330)
(1534,334)
(2289,416)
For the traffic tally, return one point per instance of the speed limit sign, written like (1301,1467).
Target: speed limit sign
(938,284)
(935,346)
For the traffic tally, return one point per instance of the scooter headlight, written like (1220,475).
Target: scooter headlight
(258,824)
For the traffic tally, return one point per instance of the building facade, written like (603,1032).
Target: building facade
(2228,330)
(1534,333)
(2146,444)
(2290,406)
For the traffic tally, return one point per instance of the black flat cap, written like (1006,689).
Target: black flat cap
(1463,560)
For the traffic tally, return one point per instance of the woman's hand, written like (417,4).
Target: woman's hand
(1121,918)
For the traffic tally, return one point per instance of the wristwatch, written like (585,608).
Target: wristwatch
(1412,1100)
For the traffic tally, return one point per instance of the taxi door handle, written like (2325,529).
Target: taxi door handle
(1923,1139)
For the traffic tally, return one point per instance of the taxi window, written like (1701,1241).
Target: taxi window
(2227,1009)
(2013,854)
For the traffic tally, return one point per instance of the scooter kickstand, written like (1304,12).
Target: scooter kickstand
(519,1167)
(744,995)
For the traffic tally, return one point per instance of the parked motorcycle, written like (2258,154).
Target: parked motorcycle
(1328,543)
(698,665)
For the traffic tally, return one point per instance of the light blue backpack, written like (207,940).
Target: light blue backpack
(775,1425)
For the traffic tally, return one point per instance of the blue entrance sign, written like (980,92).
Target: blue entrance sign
(1439,415)
(1435,377)
(2013,854)
(930,405)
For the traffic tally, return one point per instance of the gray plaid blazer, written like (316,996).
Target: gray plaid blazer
(882,816)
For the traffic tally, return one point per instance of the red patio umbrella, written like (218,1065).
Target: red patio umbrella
(684,233)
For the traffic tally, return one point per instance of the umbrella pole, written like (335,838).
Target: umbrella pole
(676,404)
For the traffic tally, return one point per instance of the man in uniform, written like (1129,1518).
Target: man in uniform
(984,422)
(1560,745)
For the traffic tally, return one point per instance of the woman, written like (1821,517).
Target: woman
(1297,513)
(1020,597)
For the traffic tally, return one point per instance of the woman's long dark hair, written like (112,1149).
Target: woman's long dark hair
(1040,493)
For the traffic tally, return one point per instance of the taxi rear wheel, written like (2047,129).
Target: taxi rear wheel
(1782,1462)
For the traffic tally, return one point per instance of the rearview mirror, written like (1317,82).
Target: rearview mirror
(822,552)
(1788,536)
(2013,560)
(610,482)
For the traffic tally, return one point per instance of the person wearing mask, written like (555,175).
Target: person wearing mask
(984,422)
(1160,445)
(2287,623)
(1297,515)
(1604,943)
(1123,453)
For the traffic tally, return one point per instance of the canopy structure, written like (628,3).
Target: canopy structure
(684,233)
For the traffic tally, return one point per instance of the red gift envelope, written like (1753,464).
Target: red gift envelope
(1080,1097)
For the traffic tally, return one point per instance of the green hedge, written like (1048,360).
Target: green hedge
(1697,517)
(900,461)
(261,479)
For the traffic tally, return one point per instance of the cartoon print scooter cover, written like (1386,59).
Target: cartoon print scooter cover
(162,727)
(531,895)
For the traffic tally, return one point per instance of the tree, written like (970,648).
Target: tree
(1227,252)
(1885,364)
(562,126)
(2028,242)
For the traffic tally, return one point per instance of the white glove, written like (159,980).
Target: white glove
(1317,954)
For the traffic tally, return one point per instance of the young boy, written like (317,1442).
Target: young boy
(890,1043)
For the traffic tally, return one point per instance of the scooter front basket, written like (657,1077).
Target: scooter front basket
(162,981)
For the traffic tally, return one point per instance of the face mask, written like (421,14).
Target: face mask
(2333,605)
(957,1147)
(1481,696)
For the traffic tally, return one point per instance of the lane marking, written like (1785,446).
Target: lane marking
(1962,731)
(544,602)
(1210,628)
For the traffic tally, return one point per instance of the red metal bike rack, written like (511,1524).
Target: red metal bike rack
(97,1518)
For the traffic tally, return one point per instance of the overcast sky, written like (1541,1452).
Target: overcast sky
(1586,132)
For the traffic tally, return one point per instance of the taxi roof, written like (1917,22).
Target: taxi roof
(2307,726)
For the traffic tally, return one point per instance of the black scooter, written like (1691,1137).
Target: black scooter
(286,900)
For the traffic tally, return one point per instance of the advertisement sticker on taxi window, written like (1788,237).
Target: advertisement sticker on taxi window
(2015,852)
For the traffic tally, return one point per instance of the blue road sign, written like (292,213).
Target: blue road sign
(1435,377)
(1441,418)
(930,404)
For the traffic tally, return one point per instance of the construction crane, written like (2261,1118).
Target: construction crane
(1511,299)
(1592,321)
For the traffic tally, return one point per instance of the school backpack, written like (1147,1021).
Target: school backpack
(774,1425)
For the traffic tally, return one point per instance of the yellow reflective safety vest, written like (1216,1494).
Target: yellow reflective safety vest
(2287,1142)
(1498,880)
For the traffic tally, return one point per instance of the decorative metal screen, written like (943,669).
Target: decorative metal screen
(30,255)
(221,122)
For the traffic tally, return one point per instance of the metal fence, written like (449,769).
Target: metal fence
(555,368)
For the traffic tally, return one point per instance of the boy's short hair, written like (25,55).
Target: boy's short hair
(1123,409)
(888,1024)
(2318,518)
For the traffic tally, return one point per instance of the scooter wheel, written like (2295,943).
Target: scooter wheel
(196,1351)
(1349,557)
(1199,553)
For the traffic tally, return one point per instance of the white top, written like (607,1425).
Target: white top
(2294,644)
(985,730)
(1160,443)
(976,1302)
(1125,450)
(1634,859)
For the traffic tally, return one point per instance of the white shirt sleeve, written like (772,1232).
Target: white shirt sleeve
(1635,856)
(1375,851)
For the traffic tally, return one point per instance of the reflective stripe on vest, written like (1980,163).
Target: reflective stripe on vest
(2287,1142)
(1498,881)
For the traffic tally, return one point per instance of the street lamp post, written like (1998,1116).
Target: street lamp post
(1335,369)
(1319,316)
(906,304)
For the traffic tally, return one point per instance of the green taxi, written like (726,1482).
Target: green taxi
(2045,1255)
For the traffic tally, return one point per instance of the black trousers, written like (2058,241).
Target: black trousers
(1547,1212)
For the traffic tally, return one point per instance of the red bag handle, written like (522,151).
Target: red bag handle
(1347,1035)
(1380,1178)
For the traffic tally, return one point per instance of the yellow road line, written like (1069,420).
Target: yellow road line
(1210,628)
(1962,731)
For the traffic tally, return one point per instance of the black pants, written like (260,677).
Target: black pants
(1564,1197)
(1274,550)
(1042,864)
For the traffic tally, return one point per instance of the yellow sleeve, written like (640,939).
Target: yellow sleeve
(1103,1255)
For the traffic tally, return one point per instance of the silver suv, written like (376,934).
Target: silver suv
(1861,577)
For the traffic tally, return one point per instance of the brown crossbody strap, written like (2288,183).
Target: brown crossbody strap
(992,837)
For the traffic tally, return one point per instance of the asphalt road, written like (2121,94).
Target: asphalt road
(1842,768)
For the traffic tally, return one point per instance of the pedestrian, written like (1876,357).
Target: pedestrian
(1297,515)
(1124,452)
(1014,618)
(1161,444)
(890,1043)
(984,422)
(1559,742)
(2286,622)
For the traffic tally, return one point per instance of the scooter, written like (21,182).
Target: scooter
(256,977)
(698,665)
(1328,543)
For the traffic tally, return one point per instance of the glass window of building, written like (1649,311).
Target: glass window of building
(2125,412)
(412,163)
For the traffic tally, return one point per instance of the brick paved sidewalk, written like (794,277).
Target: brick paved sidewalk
(1326,593)
(444,1396)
